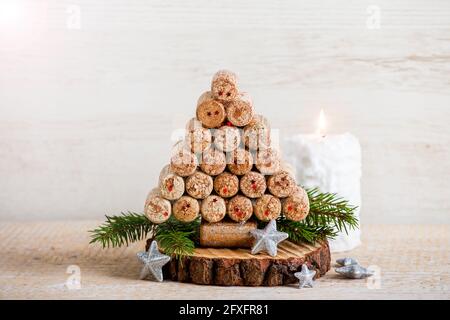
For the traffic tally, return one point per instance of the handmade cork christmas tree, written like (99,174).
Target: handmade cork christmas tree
(227,174)
(226,171)
(226,208)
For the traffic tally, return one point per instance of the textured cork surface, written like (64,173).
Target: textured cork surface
(34,259)
(227,235)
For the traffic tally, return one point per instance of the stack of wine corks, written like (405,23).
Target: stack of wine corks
(226,171)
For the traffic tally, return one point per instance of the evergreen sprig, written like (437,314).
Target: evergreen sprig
(328,209)
(174,237)
(121,230)
(178,238)
(299,231)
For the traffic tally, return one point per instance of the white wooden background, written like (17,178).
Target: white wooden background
(90,92)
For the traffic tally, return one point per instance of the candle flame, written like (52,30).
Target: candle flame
(322,124)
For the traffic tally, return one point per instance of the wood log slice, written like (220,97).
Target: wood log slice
(238,267)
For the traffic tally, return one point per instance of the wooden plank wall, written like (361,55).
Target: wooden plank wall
(91,92)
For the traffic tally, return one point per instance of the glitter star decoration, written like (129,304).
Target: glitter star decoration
(346,261)
(305,277)
(267,239)
(153,262)
(354,271)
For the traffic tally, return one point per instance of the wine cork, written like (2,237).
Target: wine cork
(211,113)
(296,207)
(227,234)
(240,208)
(267,207)
(213,162)
(171,185)
(267,161)
(183,162)
(213,209)
(180,145)
(289,168)
(193,124)
(186,209)
(165,170)
(240,111)
(260,120)
(253,184)
(240,162)
(226,185)
(256,134)
(199,185)
(227,138)
(198,139)
(156,208)
(281,184)
(224,85)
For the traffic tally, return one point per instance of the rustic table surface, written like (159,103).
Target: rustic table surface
(88,111)
(39,260)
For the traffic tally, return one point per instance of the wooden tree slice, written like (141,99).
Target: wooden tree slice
(238,267)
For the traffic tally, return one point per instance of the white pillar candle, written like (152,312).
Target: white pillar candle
(333,164)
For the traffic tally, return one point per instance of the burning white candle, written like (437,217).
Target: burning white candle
(333,164)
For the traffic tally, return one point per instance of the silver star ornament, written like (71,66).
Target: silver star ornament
(305,277)
(354,271)
(267,239)
(153,262)
(346,261)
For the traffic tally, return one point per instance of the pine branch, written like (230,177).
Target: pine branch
(178,238)
(173,224)
(123,229)
(328,209)
(174,237)
(300,232)
(329,214)
(176,243)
